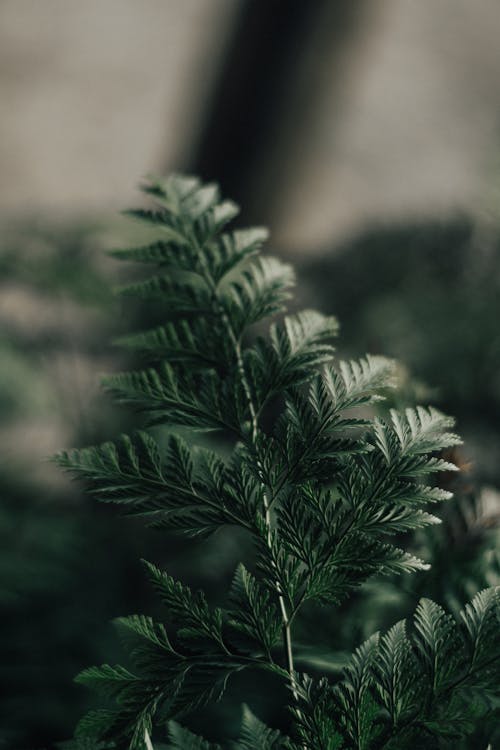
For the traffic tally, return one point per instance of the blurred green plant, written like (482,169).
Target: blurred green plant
(55,307)
(322,488)
(427,294)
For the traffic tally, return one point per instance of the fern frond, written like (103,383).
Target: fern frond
(176,297)
(359,709)
(172,252)
(482,622)
(294,350)
(404,683)
(411,436)
(324,490)
(94,726)
(314,718)
(260,291)
(254,617)
(182,739)
(311,432)
(232,250)
(146,641)
(173,675)
(359,381)
(438,643)
(255,734)
(110,681)
(423,430)
(196,622)
(200,402)
(396,674)
(184,341)
(176,487)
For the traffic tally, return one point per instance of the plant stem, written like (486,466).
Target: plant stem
(287,632)
(147,740)
(286,620)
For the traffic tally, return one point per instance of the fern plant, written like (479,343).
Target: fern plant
(325,491)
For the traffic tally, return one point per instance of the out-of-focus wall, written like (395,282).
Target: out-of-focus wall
(397,116)
(403,122)
(95,94)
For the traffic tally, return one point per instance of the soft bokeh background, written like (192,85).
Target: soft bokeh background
(365,133)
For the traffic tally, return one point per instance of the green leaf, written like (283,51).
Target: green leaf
(254,615)
(182,739)
(261,290)
(423,430)
(482,620)
(172,251)
(255,734)
(180,488)
(311,432)
(176,297)
(356,698)
(314,719)
(187,341)
(295,349)
(200,402)
(359,382)
(232,249)
(198,625)
(147,643)
(108,680)
(438,643)
(397,678)
(405,681)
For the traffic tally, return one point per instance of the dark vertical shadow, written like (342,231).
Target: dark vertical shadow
(267,39)
(250,119)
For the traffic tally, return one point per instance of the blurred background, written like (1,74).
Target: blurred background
(366,135)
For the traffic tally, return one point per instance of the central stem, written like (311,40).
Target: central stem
(287,631)
(286,621)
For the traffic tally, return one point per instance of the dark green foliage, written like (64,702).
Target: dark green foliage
(428,293)
(433,681)
(55,325)
(325,491)
(253,734)
(255,617)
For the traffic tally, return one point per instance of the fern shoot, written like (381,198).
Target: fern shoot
(325,491)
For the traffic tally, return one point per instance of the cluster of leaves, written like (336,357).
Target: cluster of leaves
(324,491)
(411,687)
(430,292)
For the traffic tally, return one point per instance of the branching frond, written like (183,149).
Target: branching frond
(315,723)
(175,487)
(411,436)
(311,432)
(196,623)
(255,734)
(403,684)
(200,402)
(172,674)
(326,491)
(182,739)
(254,616)
(291,355)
